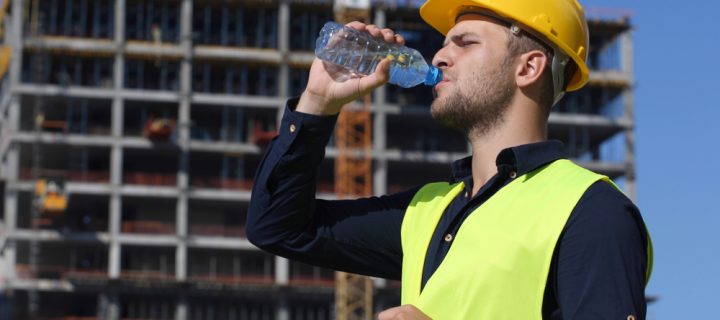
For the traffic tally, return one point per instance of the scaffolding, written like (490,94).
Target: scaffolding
(353,176)
(155,115)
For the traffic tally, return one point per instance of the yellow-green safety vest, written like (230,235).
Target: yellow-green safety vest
(499,261)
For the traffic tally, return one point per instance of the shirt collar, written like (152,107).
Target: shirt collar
(521,159)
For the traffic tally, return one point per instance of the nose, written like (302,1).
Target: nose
(441,59)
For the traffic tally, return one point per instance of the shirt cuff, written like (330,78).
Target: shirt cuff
(307,129)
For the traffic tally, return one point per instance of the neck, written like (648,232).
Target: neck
(515,129)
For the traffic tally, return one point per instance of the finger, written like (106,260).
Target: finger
(374,30)
(388,35)
(357,25)
(399,39)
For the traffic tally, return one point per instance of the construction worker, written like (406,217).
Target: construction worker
(519,232)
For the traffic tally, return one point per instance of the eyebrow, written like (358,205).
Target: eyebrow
(457,37)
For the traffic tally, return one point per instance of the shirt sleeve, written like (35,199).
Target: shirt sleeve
(601,259)
(285,218)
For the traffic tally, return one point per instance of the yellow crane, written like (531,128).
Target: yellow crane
(4,50)
(49,198)
(353,175)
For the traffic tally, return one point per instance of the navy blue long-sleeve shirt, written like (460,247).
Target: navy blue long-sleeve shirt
(599,264)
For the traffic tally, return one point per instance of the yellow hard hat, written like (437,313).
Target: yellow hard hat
(560,23)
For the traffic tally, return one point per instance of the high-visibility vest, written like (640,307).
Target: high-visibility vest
(498,264)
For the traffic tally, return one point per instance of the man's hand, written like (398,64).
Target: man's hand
(404,312)
(330,87)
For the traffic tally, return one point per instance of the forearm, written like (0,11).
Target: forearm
(285,218)
(283,196)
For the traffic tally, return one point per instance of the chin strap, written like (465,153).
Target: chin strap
(558,65)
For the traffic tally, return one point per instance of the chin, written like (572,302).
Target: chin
(436,107)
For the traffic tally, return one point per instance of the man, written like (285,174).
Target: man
(519,233)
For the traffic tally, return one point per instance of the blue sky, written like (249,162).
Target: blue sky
(677,45)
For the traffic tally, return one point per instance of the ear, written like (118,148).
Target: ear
(531,66)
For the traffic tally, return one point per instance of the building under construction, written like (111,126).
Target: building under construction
(130,131)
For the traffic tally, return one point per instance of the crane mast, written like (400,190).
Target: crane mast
(353,174)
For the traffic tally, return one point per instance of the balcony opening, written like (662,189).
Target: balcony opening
(147,263)
(148,216)
(152,120)
(147,306)
(256,306)
(67,163)
(422,134)
(62,261)
(306,275)
(222,171)
(234,78)
(67,70)
(217,218)
(403,175)
(237,24)
(152,74)
(67,115)
(232,267)
(306,23)
(55,305)
(152,20)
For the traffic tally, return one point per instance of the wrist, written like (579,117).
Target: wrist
(316,105)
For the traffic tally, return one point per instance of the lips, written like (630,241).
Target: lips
(441,83)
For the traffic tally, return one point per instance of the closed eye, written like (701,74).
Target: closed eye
(462,40)
(465,43)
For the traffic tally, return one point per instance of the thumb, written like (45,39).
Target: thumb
(377,78)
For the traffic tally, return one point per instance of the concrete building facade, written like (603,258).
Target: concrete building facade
(154,115)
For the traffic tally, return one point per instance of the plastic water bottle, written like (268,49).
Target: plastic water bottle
(360,53)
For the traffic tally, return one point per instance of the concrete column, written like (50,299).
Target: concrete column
(11,199)
(284,49)
(181,250)
(15,37)
(282,273)
(115,207)
(379,125)
(116,153)
(116,166)
(282,311)
(10,226)
(108,306)
(13,150)
(119,41)
(183,130)
(380,167)
(626,47)
(114,250)
(181,309)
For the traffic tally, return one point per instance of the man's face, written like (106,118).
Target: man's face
(478,82)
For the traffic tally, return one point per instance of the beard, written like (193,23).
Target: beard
(479,103)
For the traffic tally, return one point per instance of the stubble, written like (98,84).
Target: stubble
(479,103)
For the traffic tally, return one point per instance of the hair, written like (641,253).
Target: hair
(522,42)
